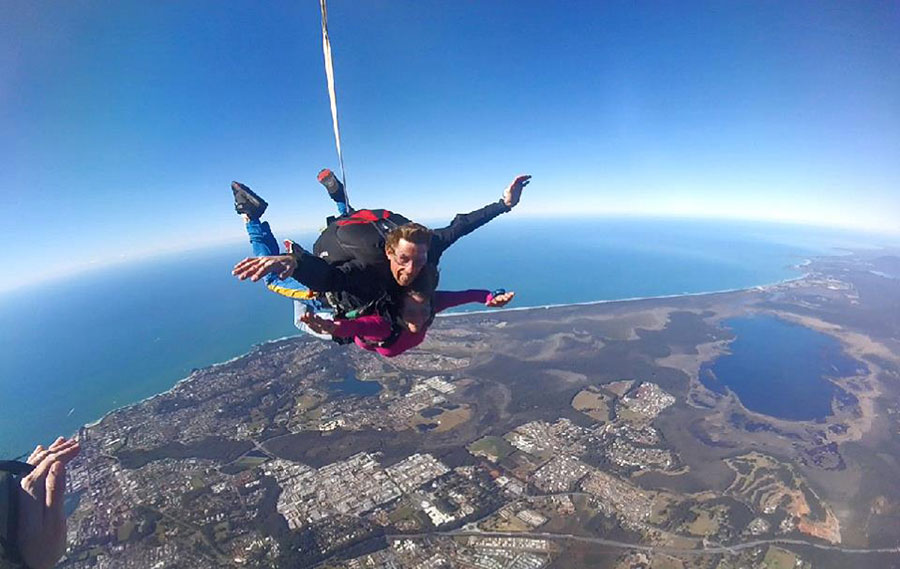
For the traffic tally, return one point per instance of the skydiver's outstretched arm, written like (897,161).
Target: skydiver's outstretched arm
(265,264)
(255,268)
(315,273)
(355,277)
(448,299)
(466,223)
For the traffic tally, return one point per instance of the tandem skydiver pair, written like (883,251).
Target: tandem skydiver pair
(372,275)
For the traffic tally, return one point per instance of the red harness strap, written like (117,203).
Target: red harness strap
(362,216)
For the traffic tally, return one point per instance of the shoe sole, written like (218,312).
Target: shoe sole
(256,203)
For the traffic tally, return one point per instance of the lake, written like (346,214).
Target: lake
(780,369)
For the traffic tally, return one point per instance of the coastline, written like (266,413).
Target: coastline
(254,347)
(188,378)
(632,298)
(265,418)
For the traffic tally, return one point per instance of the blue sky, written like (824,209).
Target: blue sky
(123,122)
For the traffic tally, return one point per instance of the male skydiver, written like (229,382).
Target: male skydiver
(362,282)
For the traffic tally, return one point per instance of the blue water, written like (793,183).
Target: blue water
(779,368)
(70,351)
(553,262)
(352,386)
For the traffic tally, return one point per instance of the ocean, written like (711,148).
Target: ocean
(73,350)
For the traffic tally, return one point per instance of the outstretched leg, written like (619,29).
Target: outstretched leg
(335,190)
(250,207)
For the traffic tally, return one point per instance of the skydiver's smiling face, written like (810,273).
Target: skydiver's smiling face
(407,260)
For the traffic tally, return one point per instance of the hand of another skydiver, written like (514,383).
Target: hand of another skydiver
(318,324)
(256,268)
(500,300)
(42,520)
(512,194)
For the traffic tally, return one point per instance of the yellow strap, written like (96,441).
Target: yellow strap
(329,75)
(292,292)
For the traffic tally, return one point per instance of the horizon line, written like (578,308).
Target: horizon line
(92,266)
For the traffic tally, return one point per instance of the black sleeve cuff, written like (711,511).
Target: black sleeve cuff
(9,518)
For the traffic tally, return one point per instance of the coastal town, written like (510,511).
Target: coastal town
(302,454)
(529,478)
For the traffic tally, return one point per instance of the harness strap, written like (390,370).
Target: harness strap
(363,216)
(295,293)
(380,306)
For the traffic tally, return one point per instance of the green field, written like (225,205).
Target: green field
(247,462)
(494,448)
(777,558)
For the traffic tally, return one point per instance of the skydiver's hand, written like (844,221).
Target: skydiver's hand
(318,324)
(42,521)
(256,268)
(512,194)
(500,300)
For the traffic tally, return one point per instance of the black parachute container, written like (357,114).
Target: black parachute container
(359,236)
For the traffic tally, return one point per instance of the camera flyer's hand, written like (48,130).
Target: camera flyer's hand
(42,521)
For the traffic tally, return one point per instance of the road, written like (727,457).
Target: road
(729,549)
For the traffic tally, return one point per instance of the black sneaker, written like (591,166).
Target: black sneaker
(334,186)
(246,202)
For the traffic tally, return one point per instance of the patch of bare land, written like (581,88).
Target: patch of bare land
(769,484)
(548,437)
(593,403)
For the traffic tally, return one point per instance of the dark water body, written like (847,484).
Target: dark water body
(778,368)
(352,386)
(74,349)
